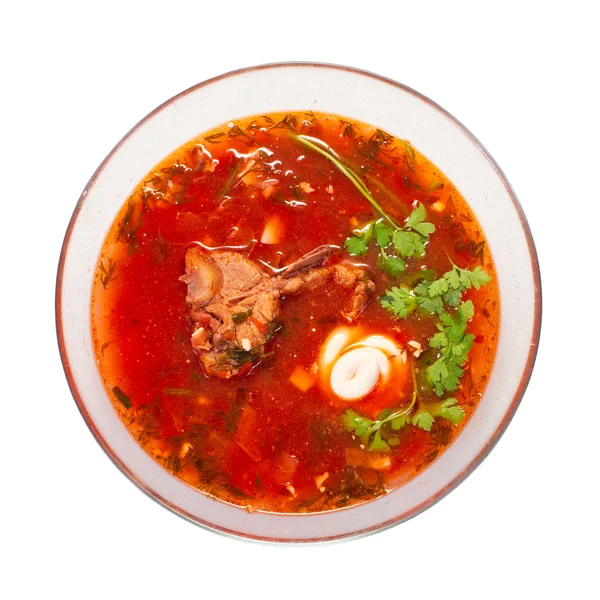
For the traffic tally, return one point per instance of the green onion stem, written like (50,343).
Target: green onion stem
(349,173)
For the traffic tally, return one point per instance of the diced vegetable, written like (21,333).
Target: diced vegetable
(321,479)
(379,461)
(302,379)
(286,468)
(274,231)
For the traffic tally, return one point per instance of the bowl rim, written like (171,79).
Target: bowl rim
(476,460)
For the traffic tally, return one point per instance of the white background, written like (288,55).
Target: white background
(522,76)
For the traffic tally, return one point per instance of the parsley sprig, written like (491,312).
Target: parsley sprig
(380,434)
(430,296)
(452,284)
(454,344)
(406,240)
(395,243)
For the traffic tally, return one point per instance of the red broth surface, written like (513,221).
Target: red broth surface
(258,440)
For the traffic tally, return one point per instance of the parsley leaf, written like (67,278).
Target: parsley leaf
(408,243)
(400,300)
(425,416)
(378,434)
(425,301)
(392,264)
(424,420)
(383,234)
(449,410)
(375,434)
(416,221)
(356,423)
(357,244)
(452,284)
(408,240)
(454,344)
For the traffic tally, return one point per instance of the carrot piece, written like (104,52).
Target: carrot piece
(302,379)
(379,461)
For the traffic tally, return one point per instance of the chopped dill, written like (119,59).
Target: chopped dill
(107,272)
(122,397)
(236,132)
(288,122)
(348,130)
(214,138)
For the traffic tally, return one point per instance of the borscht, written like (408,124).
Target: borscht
(295,312)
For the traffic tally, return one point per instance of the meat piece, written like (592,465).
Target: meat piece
(234,304)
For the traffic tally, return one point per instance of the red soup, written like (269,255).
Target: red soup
(295,313)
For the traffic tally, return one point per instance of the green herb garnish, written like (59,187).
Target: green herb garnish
(452,284)
(122,397)
(107,272)
(430,296)
(454,345)
(404,242)
(378,434)
(240,317)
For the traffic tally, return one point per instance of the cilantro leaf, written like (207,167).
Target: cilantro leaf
(416,221)
(357,244)
(453,283)
(378,443)
(454,344)
(476,278)
(398,422)
(402,301)
(430,305)
(383,234)
(399,300)
(453,297)
(356,423)
(392,264)
(424,420)
(425,301)
(408,243)
(449,410)
(438,287)
(377,434)
(417,216)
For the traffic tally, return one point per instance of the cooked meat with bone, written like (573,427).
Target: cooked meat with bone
(234,304)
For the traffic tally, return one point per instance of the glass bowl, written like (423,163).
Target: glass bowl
(367,98)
